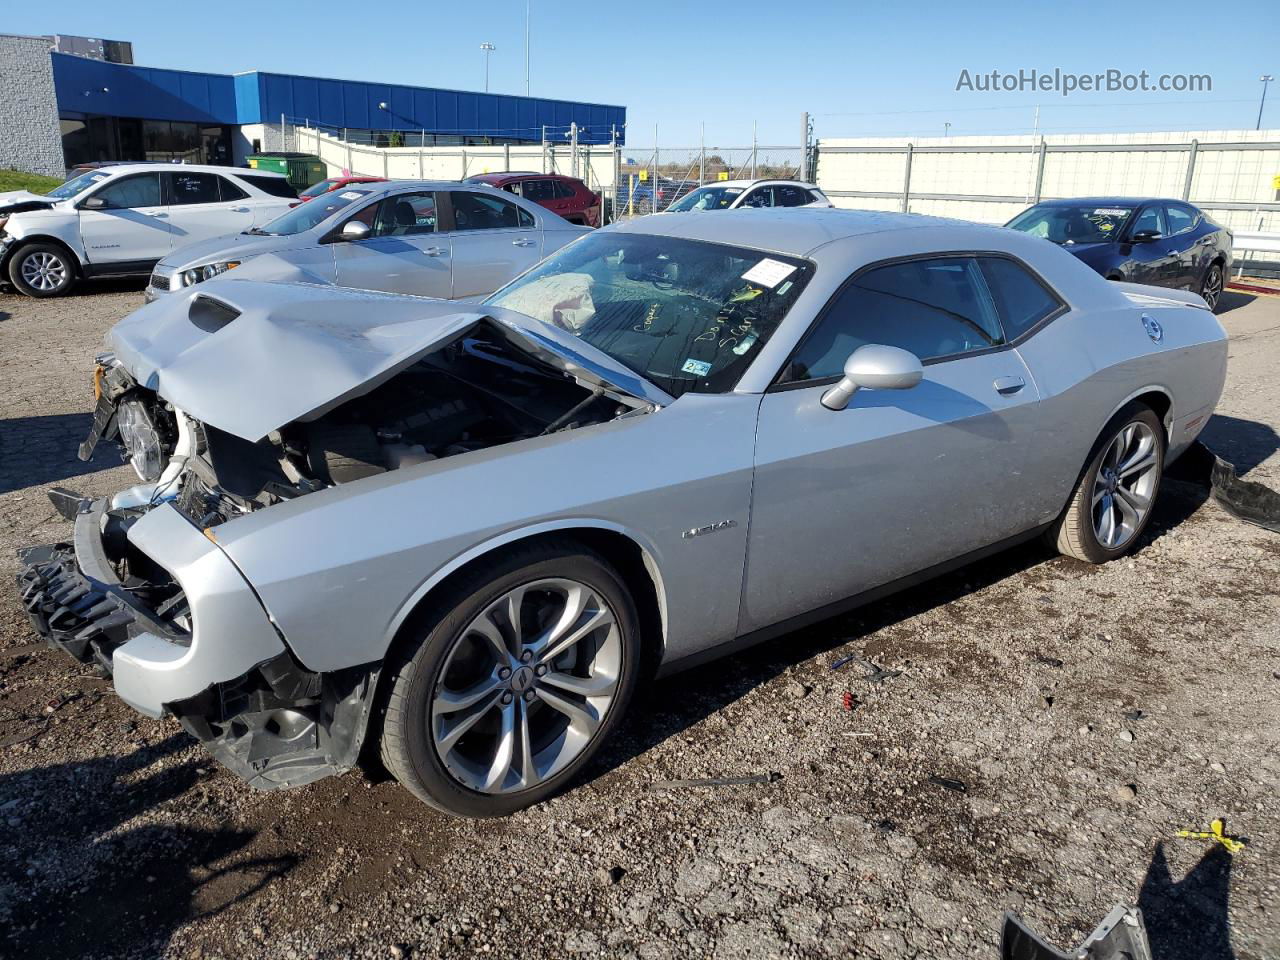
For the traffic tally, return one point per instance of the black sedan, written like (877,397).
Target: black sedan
(1168,243)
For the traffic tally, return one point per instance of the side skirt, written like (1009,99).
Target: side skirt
(843,606)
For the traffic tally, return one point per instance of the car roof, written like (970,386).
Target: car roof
(752,183)
(796,231)
(516,175)
(1106,201)
(119,169)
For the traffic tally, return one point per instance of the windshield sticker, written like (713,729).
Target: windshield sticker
(699,368)
(99,178)
(747,343)
(769,273)
(1110,212)
(352,195)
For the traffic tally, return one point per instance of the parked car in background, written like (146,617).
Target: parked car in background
(431,238)
(1166,243)
(466,533)
(638,195)
(331,184)
(568,197)
(119,220)
(732,194)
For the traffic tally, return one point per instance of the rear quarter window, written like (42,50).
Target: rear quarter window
(1021,299)
(275,186)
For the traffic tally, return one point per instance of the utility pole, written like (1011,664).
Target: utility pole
(526,47)
(804,147)
(573,148)
(755,126)
(946,128)
(1266,78)
(488,48)
(702,155)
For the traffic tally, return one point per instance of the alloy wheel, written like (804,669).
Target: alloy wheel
(44,271)
(1125,485)
(1211,289)
(526,686)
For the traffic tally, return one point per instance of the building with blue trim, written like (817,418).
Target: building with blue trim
(120,111)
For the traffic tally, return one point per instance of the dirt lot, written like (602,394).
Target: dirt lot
(1089,712)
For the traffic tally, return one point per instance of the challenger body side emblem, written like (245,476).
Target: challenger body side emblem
(709,528)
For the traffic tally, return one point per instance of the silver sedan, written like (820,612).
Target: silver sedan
(468,532)
(429,238)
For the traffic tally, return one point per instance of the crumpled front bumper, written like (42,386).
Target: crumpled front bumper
(76,600)
(230,680)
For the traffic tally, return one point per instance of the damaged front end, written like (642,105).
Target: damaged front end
(219,423)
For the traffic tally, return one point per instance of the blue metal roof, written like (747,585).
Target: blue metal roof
(123,90)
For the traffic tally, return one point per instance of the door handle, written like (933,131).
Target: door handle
(158,214)
(1008,386)
(522,242)
(240,210)
(433,251)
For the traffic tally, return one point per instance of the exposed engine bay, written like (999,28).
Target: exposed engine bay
(476,392)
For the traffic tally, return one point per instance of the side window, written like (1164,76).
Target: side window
(1181,219)
(1151,218)
(1021,299)
(935,308)
(564,191)
(759,197)
(229,191)
(482,211)
(276,186)
(816,197)
(785,195)
(538,190)
(189,188)
(406,215)
(139,190)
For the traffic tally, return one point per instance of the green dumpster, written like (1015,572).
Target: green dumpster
(302,169)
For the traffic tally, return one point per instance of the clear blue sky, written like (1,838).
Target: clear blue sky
(859,68)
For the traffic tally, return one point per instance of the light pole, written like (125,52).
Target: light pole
(946,128)
(488,48)
(1266,78)
(526,47)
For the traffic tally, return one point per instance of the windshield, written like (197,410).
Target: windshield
(1082,223)
(687,315)
(78,184)
(318,189)
(707,198)
(307,215)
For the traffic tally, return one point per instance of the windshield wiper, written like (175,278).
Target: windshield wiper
(256,232)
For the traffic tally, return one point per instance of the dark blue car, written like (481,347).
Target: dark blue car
(1168,243)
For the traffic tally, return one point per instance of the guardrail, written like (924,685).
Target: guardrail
(1253,242)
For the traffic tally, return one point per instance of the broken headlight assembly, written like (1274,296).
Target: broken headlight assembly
(205,271)
(141,439)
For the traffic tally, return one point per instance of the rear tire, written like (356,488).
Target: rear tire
(1211,286)
(483,719)
(42,270)
(1116,492)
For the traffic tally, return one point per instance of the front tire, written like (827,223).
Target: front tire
(1211,286)
(499,698)
(42,270)
(1114,497)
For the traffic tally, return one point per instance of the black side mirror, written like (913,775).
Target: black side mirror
(1145,236)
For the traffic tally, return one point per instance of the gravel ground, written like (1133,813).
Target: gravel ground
(1088,712)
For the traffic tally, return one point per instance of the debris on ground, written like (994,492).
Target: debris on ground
(1122,934)
(948,783)
(1217,835)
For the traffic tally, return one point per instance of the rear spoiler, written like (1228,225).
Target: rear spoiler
(1147,296)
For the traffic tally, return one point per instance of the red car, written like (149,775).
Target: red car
(567,196)
(331,184)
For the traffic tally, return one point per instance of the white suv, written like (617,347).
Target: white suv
(122,219)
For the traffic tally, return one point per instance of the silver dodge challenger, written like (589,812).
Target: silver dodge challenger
(462,534)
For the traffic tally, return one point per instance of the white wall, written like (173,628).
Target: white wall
(595,164)
(1220,175)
